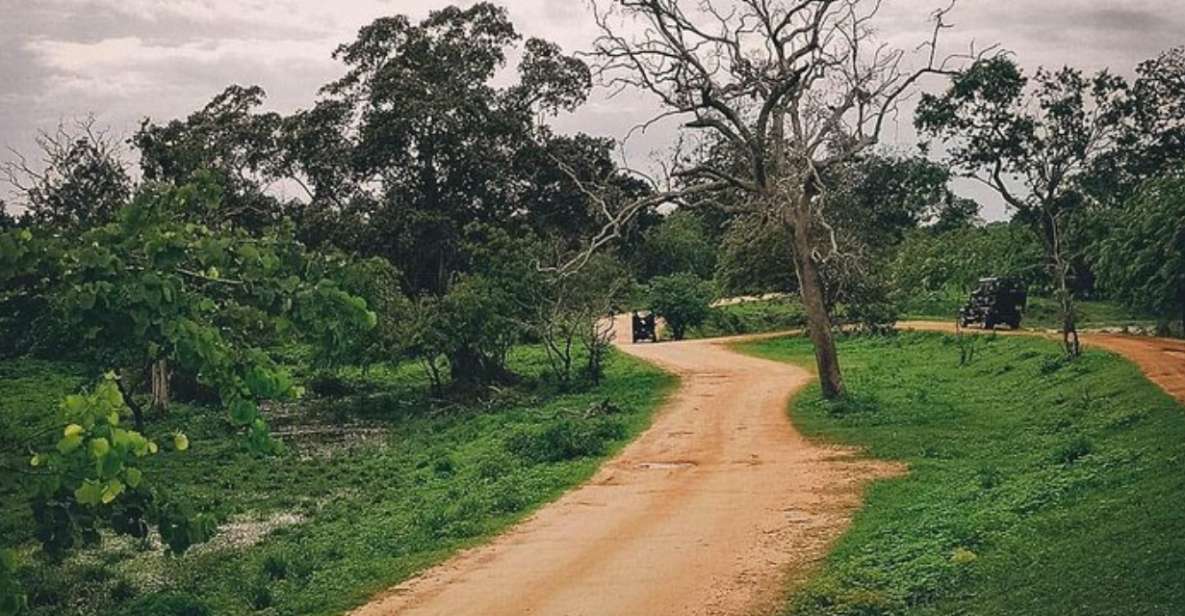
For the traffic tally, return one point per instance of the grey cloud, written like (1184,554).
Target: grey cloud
(90,22)
(182,52)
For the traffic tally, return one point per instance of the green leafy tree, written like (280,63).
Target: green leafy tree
(13,601)
(231,143)
(879,198)
(682,300)
(426,106)
(932,264)
(1142,259)
(1035,145)
(154,286)
(7,219)
(756,256)
(1153,140)
(376,282)
(93,478)
(680,243)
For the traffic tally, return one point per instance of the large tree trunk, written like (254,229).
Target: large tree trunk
(810,287)
(160,385)
(1181,302)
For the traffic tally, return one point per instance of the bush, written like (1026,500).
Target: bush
(565,440)
(682,300)
(168,604)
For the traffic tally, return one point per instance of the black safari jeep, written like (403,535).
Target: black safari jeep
(996,301)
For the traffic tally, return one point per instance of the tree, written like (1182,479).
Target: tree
(7,220)
(931,261)
(437,142)
(680,243)
(1153,138)
(1033,146)
(576,310)
(878,198)
(1142,260)
(12,599)
(682,300)
(79,181)
(228,141)
(152,285)
(755,257)
(793,89)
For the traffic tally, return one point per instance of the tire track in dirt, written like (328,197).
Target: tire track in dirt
(710,511)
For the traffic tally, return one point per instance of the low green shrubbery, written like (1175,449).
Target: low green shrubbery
(377,482)
(752,318)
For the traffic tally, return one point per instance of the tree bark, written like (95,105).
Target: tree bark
(810,287)
(160,385)
(1059,268)
(1181,301)
(137,413)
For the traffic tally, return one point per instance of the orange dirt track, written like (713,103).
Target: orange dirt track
(710,511)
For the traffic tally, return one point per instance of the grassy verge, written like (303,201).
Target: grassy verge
(378,483)
(751,318)
(1035,487)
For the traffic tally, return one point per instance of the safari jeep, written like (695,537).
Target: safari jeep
(994,302)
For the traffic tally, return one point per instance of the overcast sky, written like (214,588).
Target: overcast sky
(127,59)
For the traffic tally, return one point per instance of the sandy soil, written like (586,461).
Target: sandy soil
(710,511)
(1161,359)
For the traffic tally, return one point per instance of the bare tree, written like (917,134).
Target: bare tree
(792,88)
(77,180)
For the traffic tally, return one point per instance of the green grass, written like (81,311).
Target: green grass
(1036,486)
(751,318)
(409,482)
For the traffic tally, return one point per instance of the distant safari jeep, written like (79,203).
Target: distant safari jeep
(645,327)
(994,302)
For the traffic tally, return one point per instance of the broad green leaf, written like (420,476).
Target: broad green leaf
(114,489)
(100,447)
(89,493)
(69,443)
(242,412)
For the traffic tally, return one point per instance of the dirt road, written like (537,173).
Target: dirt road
(1161,359)
(709,511)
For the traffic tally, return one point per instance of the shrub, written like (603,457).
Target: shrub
(565,440)
(167,604)
(682,300)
